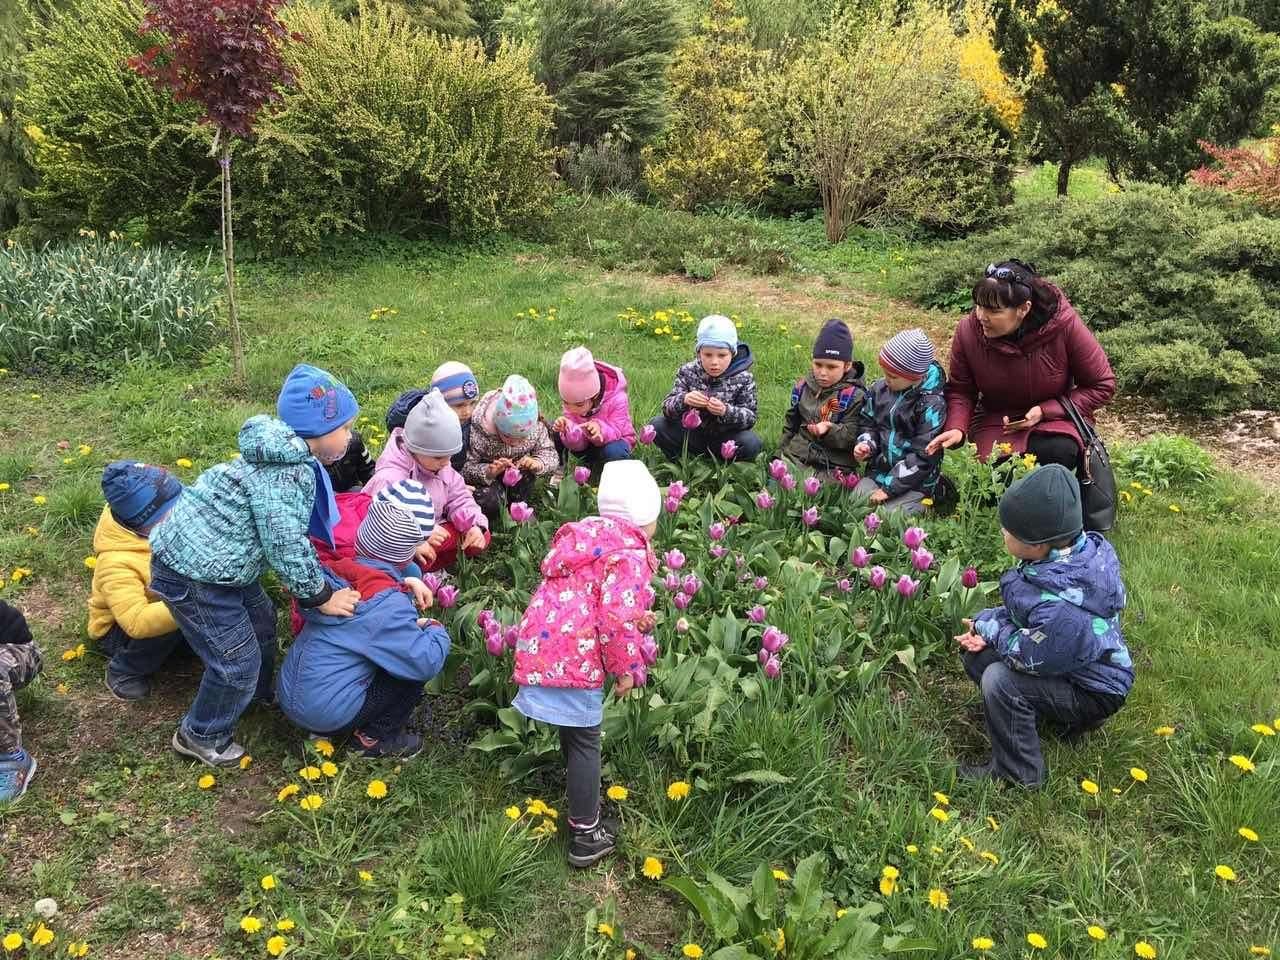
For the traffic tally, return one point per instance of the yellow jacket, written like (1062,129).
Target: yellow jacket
(120,580)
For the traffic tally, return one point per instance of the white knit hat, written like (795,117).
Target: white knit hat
(628,490)
(400,517)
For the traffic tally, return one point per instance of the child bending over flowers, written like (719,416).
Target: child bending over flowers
(596,422)
(510,446)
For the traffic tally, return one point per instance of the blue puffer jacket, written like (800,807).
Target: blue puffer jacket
(898,428)
(1061,617)
(243,515)
(322,683)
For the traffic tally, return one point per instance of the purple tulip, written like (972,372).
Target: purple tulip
(716,531)
(511,637)
(718,551)
(877,577)
(511,476)
(850,481)
(521,512)
(728,450)
(678,490)
(433,581)
(913,537)
(640,674)
(691,585)
(761,583)
(764,501)
(647,433)
(810,517)
(812,485)
(921,559)
(575,436)
(447,596)
(777,469)
(872,523)
(671,504)
(494,646)
(907,586)
(771,639)
(772,668)
(843,585)
(969,578)
(671,581)
(682,625)
(860,558)
(581,475)
(763,656)
(673,559)
(484,618)
(757,614)
(788,482)
(649,650)
(681,601)
(691,420)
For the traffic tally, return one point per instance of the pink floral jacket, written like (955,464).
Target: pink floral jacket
(581,623)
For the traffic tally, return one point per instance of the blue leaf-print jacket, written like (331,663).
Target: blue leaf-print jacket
(1061,618)
(898,427)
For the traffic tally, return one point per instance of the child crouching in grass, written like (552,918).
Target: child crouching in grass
(822,421)
(507,435)
(596,422)
(19,664)
(590,619)
(1054,650)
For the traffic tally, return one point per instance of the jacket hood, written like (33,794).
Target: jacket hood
(581,543)
(934,382)
(1090,579)
(743,361)
(265,439)
(611,379)
(373,608)
(111,536)
(396,454)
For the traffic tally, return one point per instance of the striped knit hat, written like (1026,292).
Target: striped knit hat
(908,354)
(456,381)
(400,517)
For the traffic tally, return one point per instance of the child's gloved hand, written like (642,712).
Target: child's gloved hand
(861,451)
(473,539)
(341,604)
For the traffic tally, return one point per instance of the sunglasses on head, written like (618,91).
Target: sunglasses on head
(1007,274)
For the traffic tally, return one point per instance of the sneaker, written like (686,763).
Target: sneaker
(127,688)
(15,776)
(587,847)
(227,755)
(401,746)
(975,771)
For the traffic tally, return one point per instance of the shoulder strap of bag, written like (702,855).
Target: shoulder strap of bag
(1083,426)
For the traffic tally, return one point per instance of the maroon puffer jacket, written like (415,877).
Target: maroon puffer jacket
(993,379)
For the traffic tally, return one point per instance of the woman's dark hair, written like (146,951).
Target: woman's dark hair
(1011,283)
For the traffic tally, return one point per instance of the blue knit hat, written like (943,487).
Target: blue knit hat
(717,331)
(312,402)
(400,517)
(834,342)
(139,494)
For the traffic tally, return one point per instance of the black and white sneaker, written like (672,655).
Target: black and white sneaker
(590,846)
(228,755)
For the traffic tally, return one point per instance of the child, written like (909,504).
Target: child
(904,411)
(458,385)
(19,663)
(238,518)
(588,619)
(353,469)
(421,451)
(596,423)
(365,673)
(132,627)
(1054,650)
(822,421)
(713,399)
(506,432)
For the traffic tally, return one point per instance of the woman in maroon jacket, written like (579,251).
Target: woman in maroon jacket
(1021,348)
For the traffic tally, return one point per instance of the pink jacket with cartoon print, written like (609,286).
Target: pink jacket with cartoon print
(613,414)
(581,623)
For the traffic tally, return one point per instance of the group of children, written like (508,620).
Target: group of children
(179,568)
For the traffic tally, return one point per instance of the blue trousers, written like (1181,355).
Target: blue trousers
(132,657)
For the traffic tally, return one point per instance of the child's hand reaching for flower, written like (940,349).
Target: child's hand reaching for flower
(473,539)
(971,642)
(646,623)
(623,685)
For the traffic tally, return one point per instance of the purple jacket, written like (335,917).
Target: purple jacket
(449,493)
(613,414)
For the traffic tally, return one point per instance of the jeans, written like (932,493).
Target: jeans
(388,705)
(1013,701)
(702,442)
(233,630)
(133,657)
(581,749)
(911,502)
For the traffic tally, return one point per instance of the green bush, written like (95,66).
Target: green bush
(100,301)
(1164,461)
(1182,287)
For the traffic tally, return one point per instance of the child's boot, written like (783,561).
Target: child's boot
(399,746)
(127,688)
(589,845)
(16,772)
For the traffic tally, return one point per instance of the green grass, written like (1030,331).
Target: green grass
(143,863)
(1088,182)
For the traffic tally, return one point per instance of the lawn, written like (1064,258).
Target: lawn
(145,863)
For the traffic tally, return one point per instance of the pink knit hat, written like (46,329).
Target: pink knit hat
(579,379)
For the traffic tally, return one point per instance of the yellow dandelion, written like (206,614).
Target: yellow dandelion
(1089,787)
(206,782)
(1263,730)
(309,773)
(276,945)
(287,792)
(888,886)
(1096,932)
(989,857)
(629,955)
(286,924)
(617,793)
(841,912)
(890,871)
(1257,951)
(311,802)
(268,882)
(42,937)
(982,943)
(678,790)
(993,823)
(3,487)
(692,951)
(781,875)
(329,768)
(324,748)
(1174,508)
(365,876)
(77,948)
(1223,872)
(535,808)
(250,924)
(605,930)
(1244,763)
(184,463)
(938,899)
(652,868)
(939,814)
(1037,940)
(39,499)
(1138,774)
(936,851)
(912,849)
(376,790)
(1145,950)
(85,449)
(942,799)
(927,502)
(90,562)
(11,942)
(1165,731)
(968,844)
(513,813)
(1248,834)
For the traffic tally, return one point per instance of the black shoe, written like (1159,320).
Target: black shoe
(400,746)
(127,688)
(587,847)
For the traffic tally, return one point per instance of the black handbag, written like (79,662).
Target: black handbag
(1097,479)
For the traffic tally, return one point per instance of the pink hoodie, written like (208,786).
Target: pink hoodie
(580,624)
(613,414)
(449,493)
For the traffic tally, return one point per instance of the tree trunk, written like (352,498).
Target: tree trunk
(229,266)
(1064,177)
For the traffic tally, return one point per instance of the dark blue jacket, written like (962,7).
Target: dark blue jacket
(898,427)
(736,388)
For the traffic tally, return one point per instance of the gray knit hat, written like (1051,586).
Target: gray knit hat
(1044,506)
(909,354)
(432,428)
(400,517)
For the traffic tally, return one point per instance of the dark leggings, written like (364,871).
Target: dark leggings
(1054,448)
(581,749)
(388,704)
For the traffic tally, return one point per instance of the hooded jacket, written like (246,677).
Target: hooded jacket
(242,516)
(119,591)
(839,404)
(613,412)
(736,387)
(398,413)
(449,493)
(898,427)
(487,446)
(325,676)
(1061,618)
(580,624)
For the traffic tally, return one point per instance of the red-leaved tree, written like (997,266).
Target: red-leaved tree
(1250,173)
(225,55)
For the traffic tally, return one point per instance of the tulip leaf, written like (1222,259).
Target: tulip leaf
(760,776)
